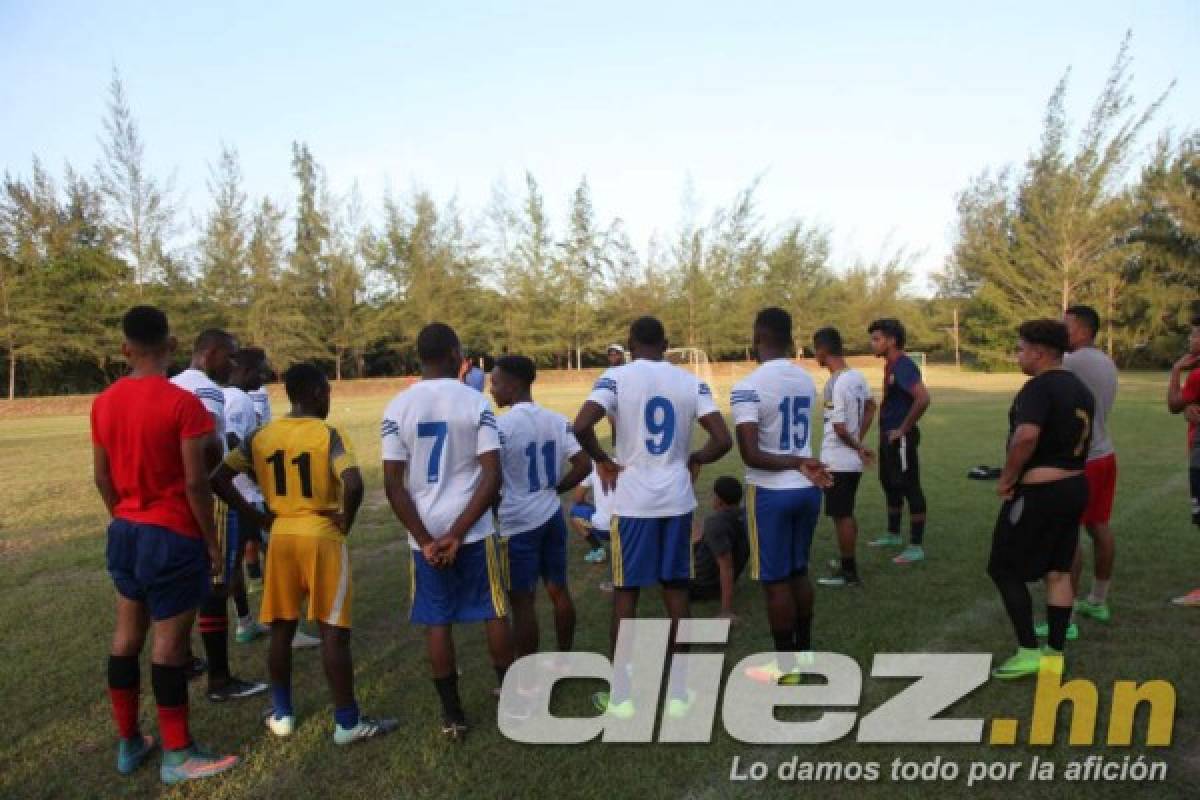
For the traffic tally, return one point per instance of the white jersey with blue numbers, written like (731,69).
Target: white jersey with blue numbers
(845,400)
(779,397)
(262,405)
(208,393)
(653,406)
(535,444)
(440,428)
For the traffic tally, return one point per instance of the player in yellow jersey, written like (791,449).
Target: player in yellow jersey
(312,488)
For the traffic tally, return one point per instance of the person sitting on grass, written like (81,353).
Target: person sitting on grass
(720,548)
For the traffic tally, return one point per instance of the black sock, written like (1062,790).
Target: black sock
(803,633)
(123,672)
(785,645)
(1019,605)
(254,570)
(850,567)
(893,521)
(1057,619)
(447,689)
(593,540)
(918,532)
(241,602)
(169,684)
(214,630)
(500,673)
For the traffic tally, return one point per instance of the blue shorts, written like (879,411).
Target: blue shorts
(166,571)
(585,512)
(781,524)
(646,551)
(539,553)
(469,590)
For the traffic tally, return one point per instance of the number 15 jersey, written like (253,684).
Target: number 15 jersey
(654,406)
(779,396)
(297,462)
(440,428)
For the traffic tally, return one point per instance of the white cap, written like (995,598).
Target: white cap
(616,347)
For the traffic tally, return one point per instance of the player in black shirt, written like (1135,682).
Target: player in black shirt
(1044,492)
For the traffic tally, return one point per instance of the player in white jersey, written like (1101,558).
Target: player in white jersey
(262,400)
(441,472)
(772,409)
(212,363)
(536,445)
(653,406)
(256,372)
(590,517)
(849,411)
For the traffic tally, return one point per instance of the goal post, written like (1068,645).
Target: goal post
(694,360)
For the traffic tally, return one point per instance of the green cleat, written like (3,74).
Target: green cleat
(1023,663)
(680,707)
(602,701)
(133,752)
(191,764)
(1097,611)
(1042,629)
(887,540)
(913,554)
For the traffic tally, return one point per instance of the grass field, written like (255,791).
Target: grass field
(56,736)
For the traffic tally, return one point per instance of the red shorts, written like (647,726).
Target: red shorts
(1102,488)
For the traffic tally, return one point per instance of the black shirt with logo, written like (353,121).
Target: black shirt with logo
(1062,407)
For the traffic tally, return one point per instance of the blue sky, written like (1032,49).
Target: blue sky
(866,118)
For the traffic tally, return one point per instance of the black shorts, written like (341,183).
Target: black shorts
(839,498)
(248,530)
(1037,531)
(899,465)
(1194,479)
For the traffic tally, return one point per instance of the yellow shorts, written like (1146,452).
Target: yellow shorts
(307,566)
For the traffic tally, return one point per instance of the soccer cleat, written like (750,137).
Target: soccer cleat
(280,726)
(302,641)
(602,701)
(235,689)
(596,555)
(1189,600)
(248,633)
(605,586)
(1042,629)
(1097,611)
(840,580)
(771,674)
(367,728)
(887,540)
(680,707)
(1025,662)
(192,764)
(454,726)
(132,753)
(912,554)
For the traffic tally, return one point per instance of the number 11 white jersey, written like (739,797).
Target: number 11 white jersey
(654,406)
(779,396)
(440,428)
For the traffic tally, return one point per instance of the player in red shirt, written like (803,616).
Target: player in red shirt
(149,439)
(1186,399)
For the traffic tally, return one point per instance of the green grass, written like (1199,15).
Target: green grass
(56,737)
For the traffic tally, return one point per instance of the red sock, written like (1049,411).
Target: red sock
(173,727)
(125,710)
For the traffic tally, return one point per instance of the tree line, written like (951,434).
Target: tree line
(326,280)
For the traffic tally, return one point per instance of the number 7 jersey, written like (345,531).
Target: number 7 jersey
(440,428)
(654,406)
(779,397)
(297,462)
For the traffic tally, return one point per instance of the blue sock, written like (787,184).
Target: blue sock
(347,717)
(281,700)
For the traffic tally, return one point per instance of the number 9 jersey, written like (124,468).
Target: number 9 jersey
(779,397)
(297,462)
(653,405)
